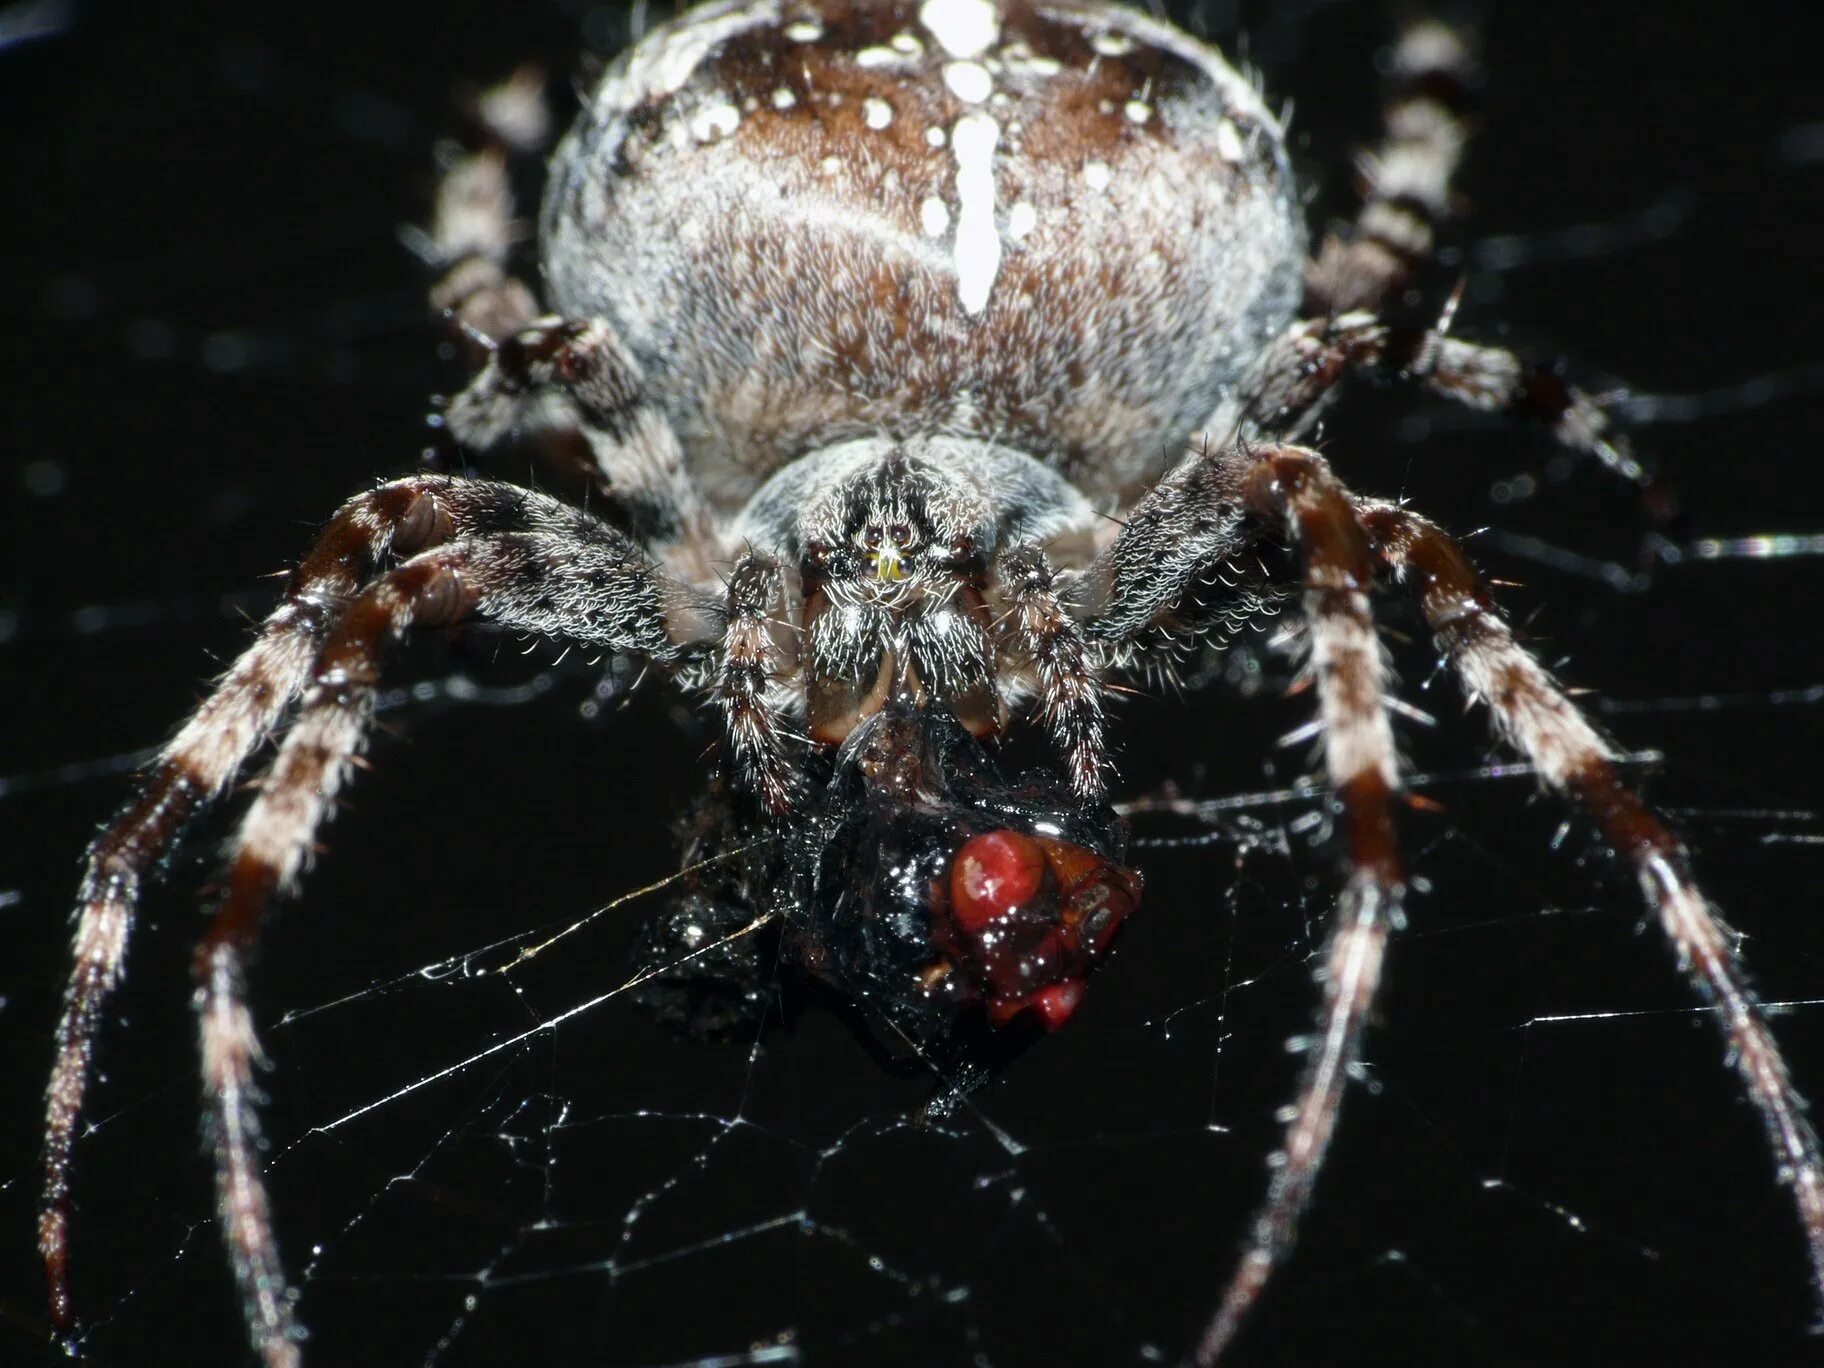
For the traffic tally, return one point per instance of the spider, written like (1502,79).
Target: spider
(931,365)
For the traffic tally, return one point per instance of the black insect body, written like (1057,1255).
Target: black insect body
(916,882)
(920,847)
(930,366)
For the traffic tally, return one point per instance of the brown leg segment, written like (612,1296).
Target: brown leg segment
(1069,687)
(268,854)
(473,229)
(1299,376)
(1495,380)
(204,757)
(567,385)
(756,739)
(1361,276)
(585,583)
(575,384)
(1532,714)
(1407,179)
(1295,488)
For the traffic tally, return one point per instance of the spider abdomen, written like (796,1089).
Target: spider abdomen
(1065,226)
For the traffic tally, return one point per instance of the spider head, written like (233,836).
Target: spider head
(931,886)
(892,541)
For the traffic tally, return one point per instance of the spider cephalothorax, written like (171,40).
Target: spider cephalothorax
(894,543)
(928,366)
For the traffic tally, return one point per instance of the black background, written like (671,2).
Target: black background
(212,335)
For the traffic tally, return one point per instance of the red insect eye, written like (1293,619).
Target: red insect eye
(994,874)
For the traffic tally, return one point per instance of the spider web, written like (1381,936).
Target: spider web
(480,1157)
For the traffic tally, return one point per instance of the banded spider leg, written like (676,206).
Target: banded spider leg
(1221,501)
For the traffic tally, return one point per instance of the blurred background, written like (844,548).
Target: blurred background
(212,335)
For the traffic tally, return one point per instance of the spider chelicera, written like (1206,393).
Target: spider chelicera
(872,325)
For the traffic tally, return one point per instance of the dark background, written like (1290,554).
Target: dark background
(211,336)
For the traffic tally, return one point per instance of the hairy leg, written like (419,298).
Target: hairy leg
(1300,373)
(204,757)
(1294,489)
(1533,715)
(581,582)
(568,385)
(1190,526)
(1406,180)
(559,378)
(473,228)
(1040,629)
(750,662)
(1357,289)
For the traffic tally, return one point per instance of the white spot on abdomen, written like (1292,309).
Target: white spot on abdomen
(978,242)
(962,27)
(1021,220)
(1021,58)
(714,121)
(807,31)
(968,81)
(876,112)
(934,216)
(1097,174)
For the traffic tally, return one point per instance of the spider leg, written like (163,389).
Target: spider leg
(1407,178)
(1533,715)
(569,384)
(473,230)
(1495,380)
(749,664)
(1040,627)
(1294,488)
(1191,522)
(560,376)
(205,755)
(579,581)
(1298,378)
(1360,278)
